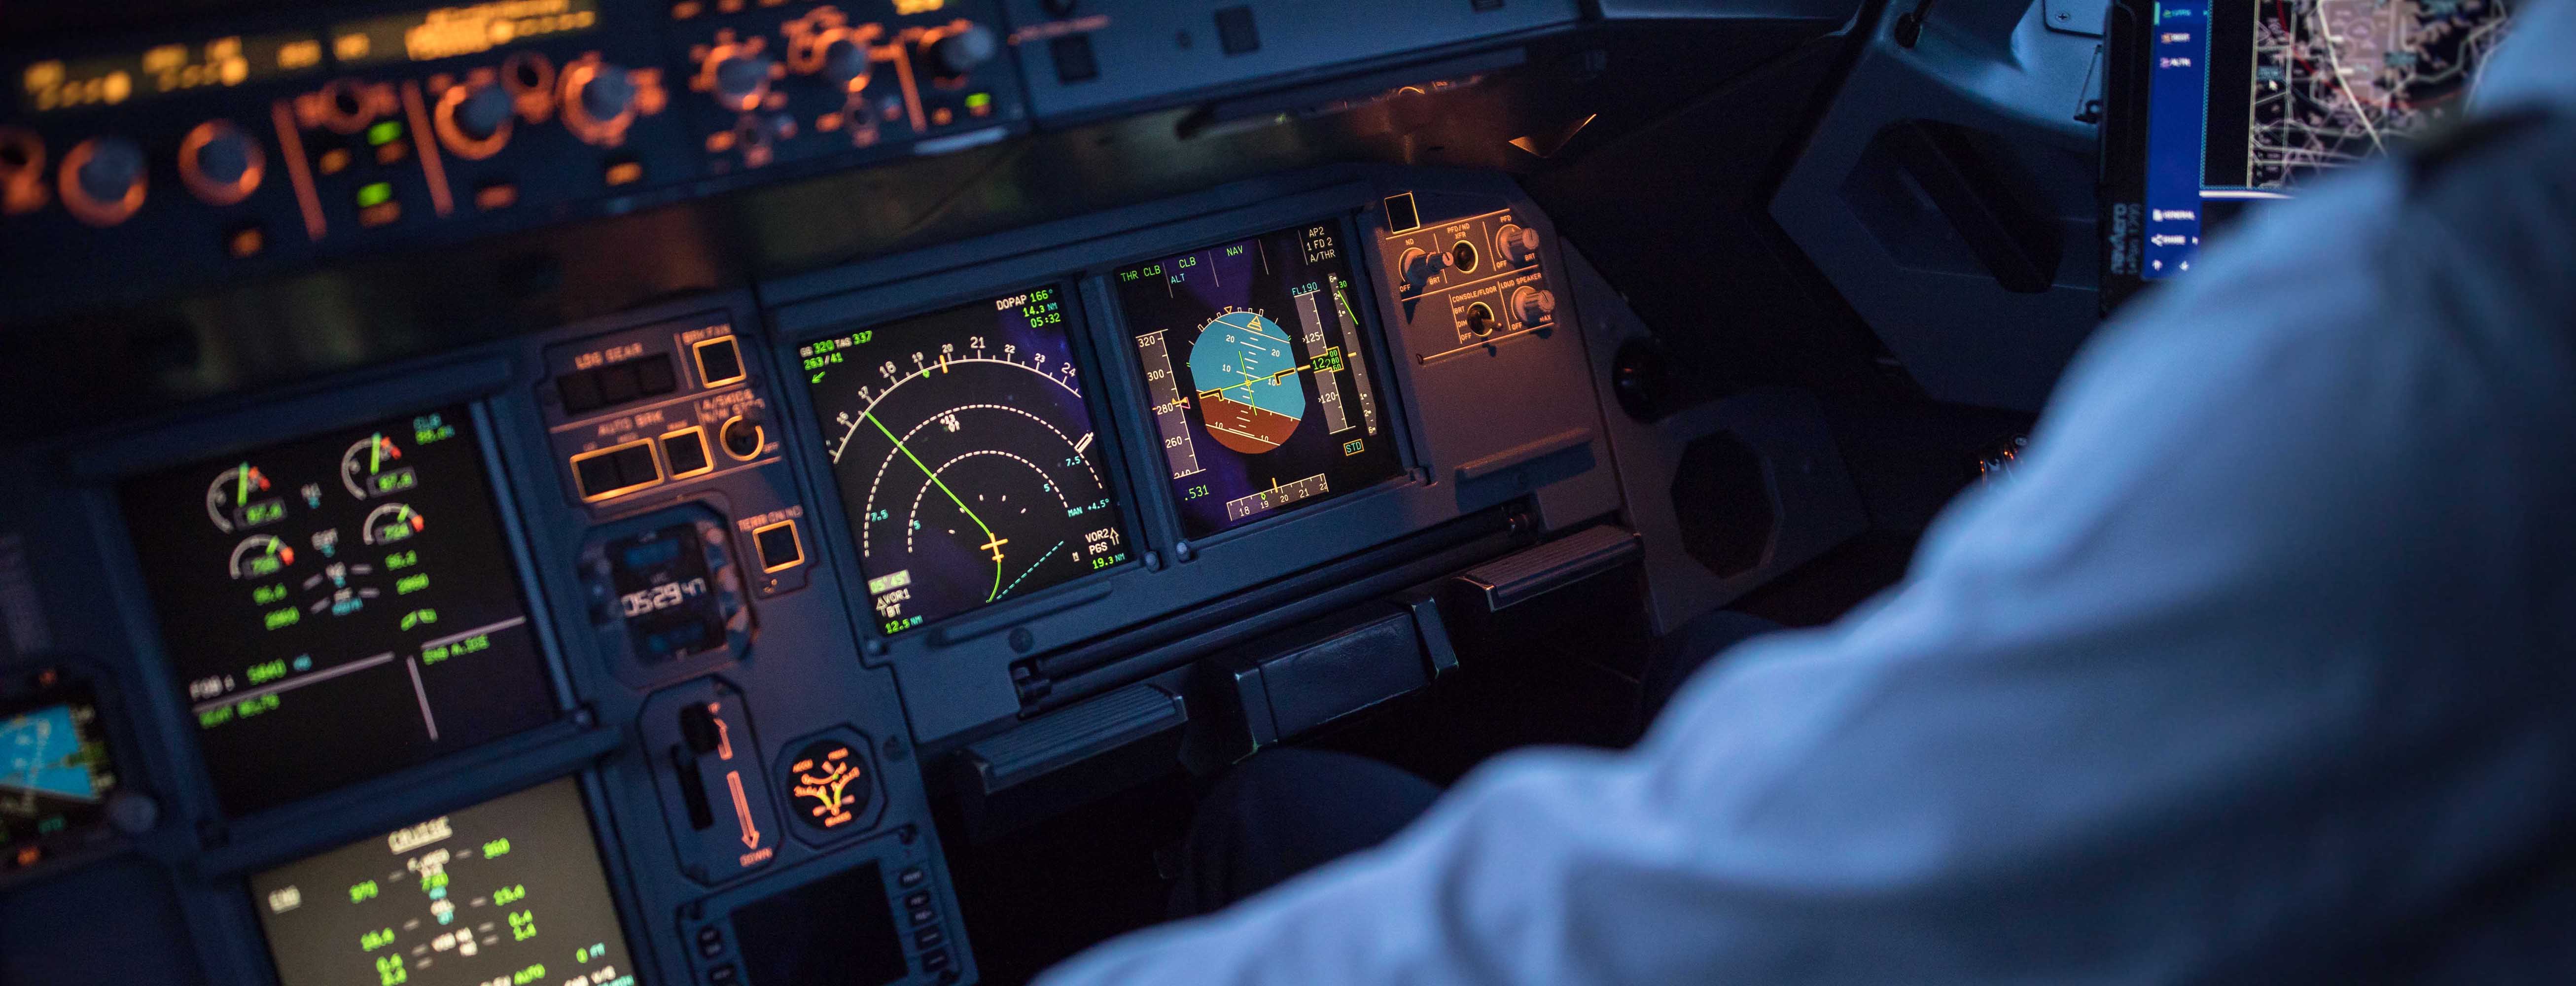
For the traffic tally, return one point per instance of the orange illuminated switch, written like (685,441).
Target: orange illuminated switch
(686,9)
(391,153)
(942,117)
(625,173)
(496,195)
(333,161)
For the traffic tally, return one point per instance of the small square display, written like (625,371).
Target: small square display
(836,931)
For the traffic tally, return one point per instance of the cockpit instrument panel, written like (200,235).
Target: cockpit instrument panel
(1254,360)
(507,891)
(338,607)
(966,457)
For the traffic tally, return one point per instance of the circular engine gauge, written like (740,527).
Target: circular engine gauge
(260,556)
(240,498)
(373,467)
(391,523)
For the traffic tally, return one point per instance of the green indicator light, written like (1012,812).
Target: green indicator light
(375,194)
(383,133)
(979,101)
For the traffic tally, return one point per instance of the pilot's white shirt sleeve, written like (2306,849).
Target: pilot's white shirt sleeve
(2261,668)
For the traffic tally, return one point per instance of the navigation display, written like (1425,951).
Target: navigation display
(1253,358)
(2248,99)
(339,607)
(55,773)
(967,460)
(508,891)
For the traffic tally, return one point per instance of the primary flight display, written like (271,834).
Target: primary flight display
(968,462)
(1253,357)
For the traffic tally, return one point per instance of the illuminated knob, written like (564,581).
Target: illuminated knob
(958,52)
(1518,245)
(483,112)
(845,62)
(115,167)
(742,79)
(102,180)
(221,163)
(608,93)
(1534,305)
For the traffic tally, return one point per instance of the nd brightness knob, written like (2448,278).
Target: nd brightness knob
(221,163)
(102,180)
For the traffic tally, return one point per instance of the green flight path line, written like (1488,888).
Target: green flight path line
(952,497)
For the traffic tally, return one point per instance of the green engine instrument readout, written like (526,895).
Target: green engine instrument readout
(338,607)
(507,891)
(968,462)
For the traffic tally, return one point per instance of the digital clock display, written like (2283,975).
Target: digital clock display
(667,592)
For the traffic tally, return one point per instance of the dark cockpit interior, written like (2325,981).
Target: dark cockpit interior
(770,492)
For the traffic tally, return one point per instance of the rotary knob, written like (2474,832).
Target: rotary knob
(484,111)
(1534,306)
(600,100)
(845,64)
(960,51)
(742,79)
(220,162)
(1517,245)
(102,180)
(608,94)
(473,119)
(1419,266)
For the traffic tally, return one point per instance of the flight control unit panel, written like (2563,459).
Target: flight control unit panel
(638,651)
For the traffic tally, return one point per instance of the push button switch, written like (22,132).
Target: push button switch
(580,393)
(711,941)
(719,361)
(654,377)
(597,474)
(779,546)
(686,451)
